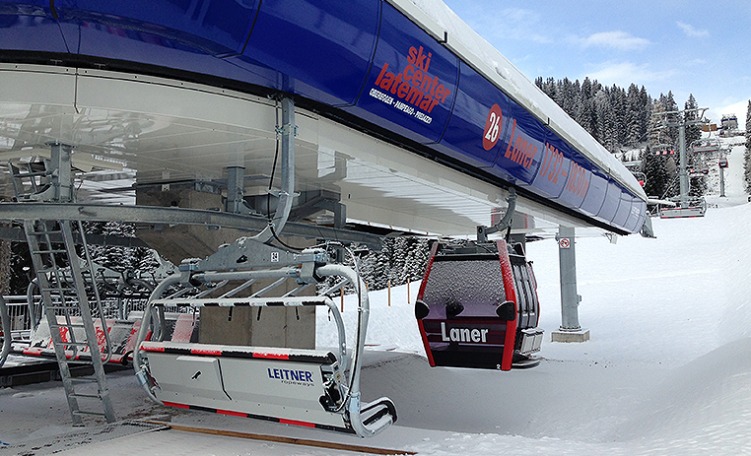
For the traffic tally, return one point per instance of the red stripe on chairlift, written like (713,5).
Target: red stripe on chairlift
(297,423)
(152,348)
(232,413)
(271,355)
(176,405)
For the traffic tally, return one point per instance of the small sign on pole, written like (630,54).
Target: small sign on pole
(564,243)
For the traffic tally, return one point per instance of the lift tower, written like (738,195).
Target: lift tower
(681,119)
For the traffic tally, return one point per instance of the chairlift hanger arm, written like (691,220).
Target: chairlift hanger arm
(504,223)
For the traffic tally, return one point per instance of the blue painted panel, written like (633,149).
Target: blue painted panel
(637,216)
(29,26)
(210,27)
(489,128)
(578,176)
(554,167)
(624,210)
(610,204)
(477,121)
(412,83)
(522,146)
(595,193)
(321,49)
(577,181)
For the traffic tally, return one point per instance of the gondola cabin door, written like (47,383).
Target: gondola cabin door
(477,307)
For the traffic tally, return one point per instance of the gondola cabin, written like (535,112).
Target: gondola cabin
(478,307)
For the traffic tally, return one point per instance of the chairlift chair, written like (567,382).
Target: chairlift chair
(695,207)
(307,387)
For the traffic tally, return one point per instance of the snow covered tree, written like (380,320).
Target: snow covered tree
(400,260)
(671,116)
(585,111)
(613,116)
(634,130)
(117,257)
(697,186)
(653,166)
(657,133)
(693,132)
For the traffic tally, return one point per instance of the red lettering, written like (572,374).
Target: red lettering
(381,74)
(520,150)
(413,84)
(412,55)
(403,90)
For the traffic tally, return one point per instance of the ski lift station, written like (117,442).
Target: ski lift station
(251,143)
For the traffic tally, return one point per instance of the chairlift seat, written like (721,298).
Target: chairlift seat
(122,335)
(292,386)
(694,208)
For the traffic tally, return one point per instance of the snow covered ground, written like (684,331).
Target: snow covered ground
(667,371)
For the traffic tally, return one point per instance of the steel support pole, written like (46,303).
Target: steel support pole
(683,174)
(722,181)
(235,189)
(62,176)
(570,330)
(569,295)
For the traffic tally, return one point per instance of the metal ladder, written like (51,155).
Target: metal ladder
(68,290)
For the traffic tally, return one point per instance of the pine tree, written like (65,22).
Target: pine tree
(653,167)
(697,186)
(585,112)
(671,108)
(632,117)
(693,132)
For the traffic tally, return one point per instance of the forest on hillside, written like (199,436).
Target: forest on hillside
(634,126)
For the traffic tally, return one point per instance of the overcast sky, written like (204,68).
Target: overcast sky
(695,47)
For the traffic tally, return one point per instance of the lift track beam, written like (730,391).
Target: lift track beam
(172,216)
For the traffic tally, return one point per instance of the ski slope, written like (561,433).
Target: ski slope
(667,371)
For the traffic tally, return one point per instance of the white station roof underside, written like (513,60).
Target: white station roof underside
(125,127)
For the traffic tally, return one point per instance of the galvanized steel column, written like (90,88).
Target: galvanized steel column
(569,296)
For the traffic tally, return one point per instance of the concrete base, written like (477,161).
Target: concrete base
(579,335)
